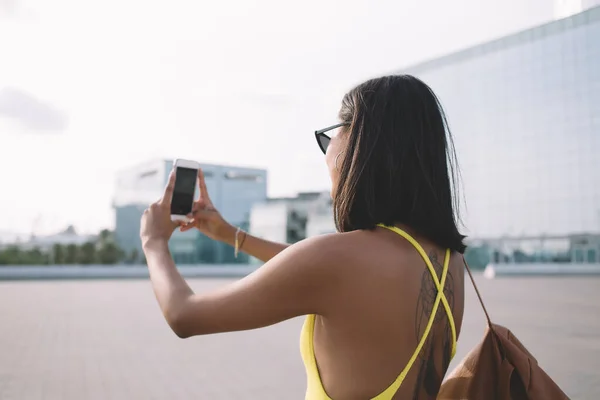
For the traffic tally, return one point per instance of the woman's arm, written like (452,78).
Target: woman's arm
(170,289)
(300,280)
(259,248)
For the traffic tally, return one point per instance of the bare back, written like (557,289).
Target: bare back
(384,303)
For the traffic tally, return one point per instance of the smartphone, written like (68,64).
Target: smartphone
(186,181)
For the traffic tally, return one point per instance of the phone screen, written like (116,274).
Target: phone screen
(183,193)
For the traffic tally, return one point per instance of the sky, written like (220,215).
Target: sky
(90,88)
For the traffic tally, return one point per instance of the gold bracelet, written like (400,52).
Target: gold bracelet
(237,243)
(243,240)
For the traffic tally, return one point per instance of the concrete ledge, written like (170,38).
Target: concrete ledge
(118,271)
(497,270)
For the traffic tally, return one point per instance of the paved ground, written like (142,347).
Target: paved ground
(79,340)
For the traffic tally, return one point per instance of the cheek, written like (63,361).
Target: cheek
(334,173)
(332,152)
(329,159)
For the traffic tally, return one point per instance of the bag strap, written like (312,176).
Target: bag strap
(489,321)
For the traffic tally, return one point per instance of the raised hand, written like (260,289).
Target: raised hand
(206,218)
(156,224)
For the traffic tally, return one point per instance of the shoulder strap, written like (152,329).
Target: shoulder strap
(489,321)
(436,280)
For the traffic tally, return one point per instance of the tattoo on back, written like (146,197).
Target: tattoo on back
(429,378)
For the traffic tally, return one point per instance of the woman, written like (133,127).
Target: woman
(377,326)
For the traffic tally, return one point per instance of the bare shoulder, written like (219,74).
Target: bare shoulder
(367,244)
(380,252)
(347,255)
(333,258)
(326,250)
(370,252)
(337,243)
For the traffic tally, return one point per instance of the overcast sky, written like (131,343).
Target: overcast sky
(89,88)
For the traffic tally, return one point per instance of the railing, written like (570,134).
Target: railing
(538,269)
(118,271)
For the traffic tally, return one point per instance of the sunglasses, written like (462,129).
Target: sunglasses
(322,139)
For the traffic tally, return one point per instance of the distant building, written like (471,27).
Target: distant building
(9,238)
(320,217)
(233,190)
(291,219)
(67,237)
(524,111)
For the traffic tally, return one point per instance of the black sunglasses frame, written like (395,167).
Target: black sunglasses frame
(321,133)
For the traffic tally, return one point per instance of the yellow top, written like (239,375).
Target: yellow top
(315,390)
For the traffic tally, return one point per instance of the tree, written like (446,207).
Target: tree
(35,257)
(11,255)
(87,253)
(4,259)
(58,254)
(103,250)
(133,257)
(71,254)
(106,236)
(109,253)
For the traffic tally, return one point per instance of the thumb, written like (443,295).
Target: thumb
(168,194)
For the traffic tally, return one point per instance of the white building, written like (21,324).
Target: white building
(291,219)
(320,217)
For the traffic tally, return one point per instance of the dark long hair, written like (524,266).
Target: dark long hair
(400,166)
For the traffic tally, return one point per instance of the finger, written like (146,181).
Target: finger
(175,225)
(187,226)
(168,194)
(198,205)
(202,213)
(203,190)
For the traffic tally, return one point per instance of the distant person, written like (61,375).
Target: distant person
(375,326)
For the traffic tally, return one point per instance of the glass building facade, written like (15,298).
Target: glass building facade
(524,111)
